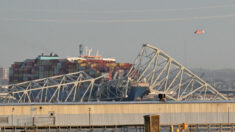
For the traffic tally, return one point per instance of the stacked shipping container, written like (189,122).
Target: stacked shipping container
(32,69)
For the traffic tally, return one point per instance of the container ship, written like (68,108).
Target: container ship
(50,65)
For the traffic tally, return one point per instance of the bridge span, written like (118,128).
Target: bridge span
(116,113)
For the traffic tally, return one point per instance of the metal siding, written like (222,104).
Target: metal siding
(121,114)
(120,119)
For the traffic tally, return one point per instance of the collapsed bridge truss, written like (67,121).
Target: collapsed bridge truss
(162,73)
(167,76)
(73,87)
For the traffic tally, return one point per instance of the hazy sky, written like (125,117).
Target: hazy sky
(118,28)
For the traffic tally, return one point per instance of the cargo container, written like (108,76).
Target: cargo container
(51,65)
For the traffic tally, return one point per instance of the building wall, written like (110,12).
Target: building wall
(3,74)
(116,114)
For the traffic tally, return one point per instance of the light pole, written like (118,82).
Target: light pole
(12,122)
(89,109)
(228,114)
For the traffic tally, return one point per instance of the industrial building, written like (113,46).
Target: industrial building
(111,113)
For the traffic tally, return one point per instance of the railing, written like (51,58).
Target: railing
(223,127)
(229,127)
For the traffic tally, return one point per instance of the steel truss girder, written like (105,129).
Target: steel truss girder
(72,87)
(113,90)
(167,76)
